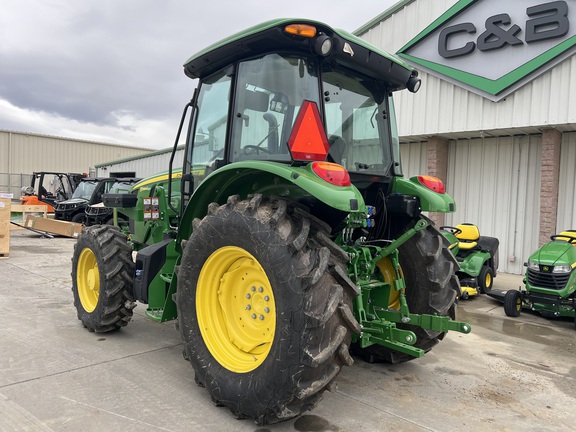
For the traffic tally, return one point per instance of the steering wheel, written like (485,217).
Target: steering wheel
(451,229)
(560,237)
(254,148)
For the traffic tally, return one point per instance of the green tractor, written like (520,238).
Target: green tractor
(550,281)
(289,237)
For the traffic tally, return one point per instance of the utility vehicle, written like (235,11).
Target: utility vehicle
(88,193)
(98,214)
(477,256)
(289,235)
(550,281)
(47,188)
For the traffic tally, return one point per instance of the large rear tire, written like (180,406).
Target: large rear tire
(431,288)
(264,308)
(102,272)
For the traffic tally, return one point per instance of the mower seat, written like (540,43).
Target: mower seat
(468,238)
(567,236)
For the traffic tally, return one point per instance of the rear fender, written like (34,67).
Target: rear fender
(268,178)
(429,200)
(473,263)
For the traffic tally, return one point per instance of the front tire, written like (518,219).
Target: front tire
(102,270)
(431,288)
(264,308)
(513,303)
(79,218)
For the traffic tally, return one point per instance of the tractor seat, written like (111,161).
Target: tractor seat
(567,235)
(469,236)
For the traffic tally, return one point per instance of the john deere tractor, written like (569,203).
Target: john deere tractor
(289,237)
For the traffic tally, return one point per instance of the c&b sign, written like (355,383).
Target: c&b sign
(493,47)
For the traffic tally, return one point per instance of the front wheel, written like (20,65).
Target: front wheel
(79,218)
(102,270)
(513,303)
(264,308)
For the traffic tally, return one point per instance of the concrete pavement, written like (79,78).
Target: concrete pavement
(507,375)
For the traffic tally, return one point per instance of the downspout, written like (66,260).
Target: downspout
(9,167)
(9,154)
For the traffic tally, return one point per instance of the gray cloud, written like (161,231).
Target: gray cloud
(95,61)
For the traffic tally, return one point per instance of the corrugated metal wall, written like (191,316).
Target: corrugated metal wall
(414,158)
(566,194)
(25,153)
(145,166)
(496,185)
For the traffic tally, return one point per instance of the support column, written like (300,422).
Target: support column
(549,179)
(437,149)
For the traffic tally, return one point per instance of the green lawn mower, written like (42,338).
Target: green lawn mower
(550,281)
(477,256)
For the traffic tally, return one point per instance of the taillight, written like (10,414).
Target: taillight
(332,173)
(432,183)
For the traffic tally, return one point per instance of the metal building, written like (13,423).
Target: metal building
(141,166)
(23,153)
(495,118)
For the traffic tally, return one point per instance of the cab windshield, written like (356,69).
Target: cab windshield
(85,190)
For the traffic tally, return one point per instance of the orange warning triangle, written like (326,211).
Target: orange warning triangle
(308,139)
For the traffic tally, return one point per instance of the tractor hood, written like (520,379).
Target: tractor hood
(77,201)
(555,253)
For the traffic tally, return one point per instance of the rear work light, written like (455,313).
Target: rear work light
(332,173)
(432,183)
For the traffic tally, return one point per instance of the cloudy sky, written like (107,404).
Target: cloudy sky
(111,70)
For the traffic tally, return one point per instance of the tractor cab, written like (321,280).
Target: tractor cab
(296,92)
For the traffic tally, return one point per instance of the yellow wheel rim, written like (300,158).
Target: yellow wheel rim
(519,304)
(236,310)
(88,280)
(387,270)
(488,280)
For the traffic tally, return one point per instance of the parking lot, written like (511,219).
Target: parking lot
(507,375)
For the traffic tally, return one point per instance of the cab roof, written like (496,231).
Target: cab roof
(269,36)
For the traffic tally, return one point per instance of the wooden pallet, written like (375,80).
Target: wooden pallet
(5,208)
(28,209)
